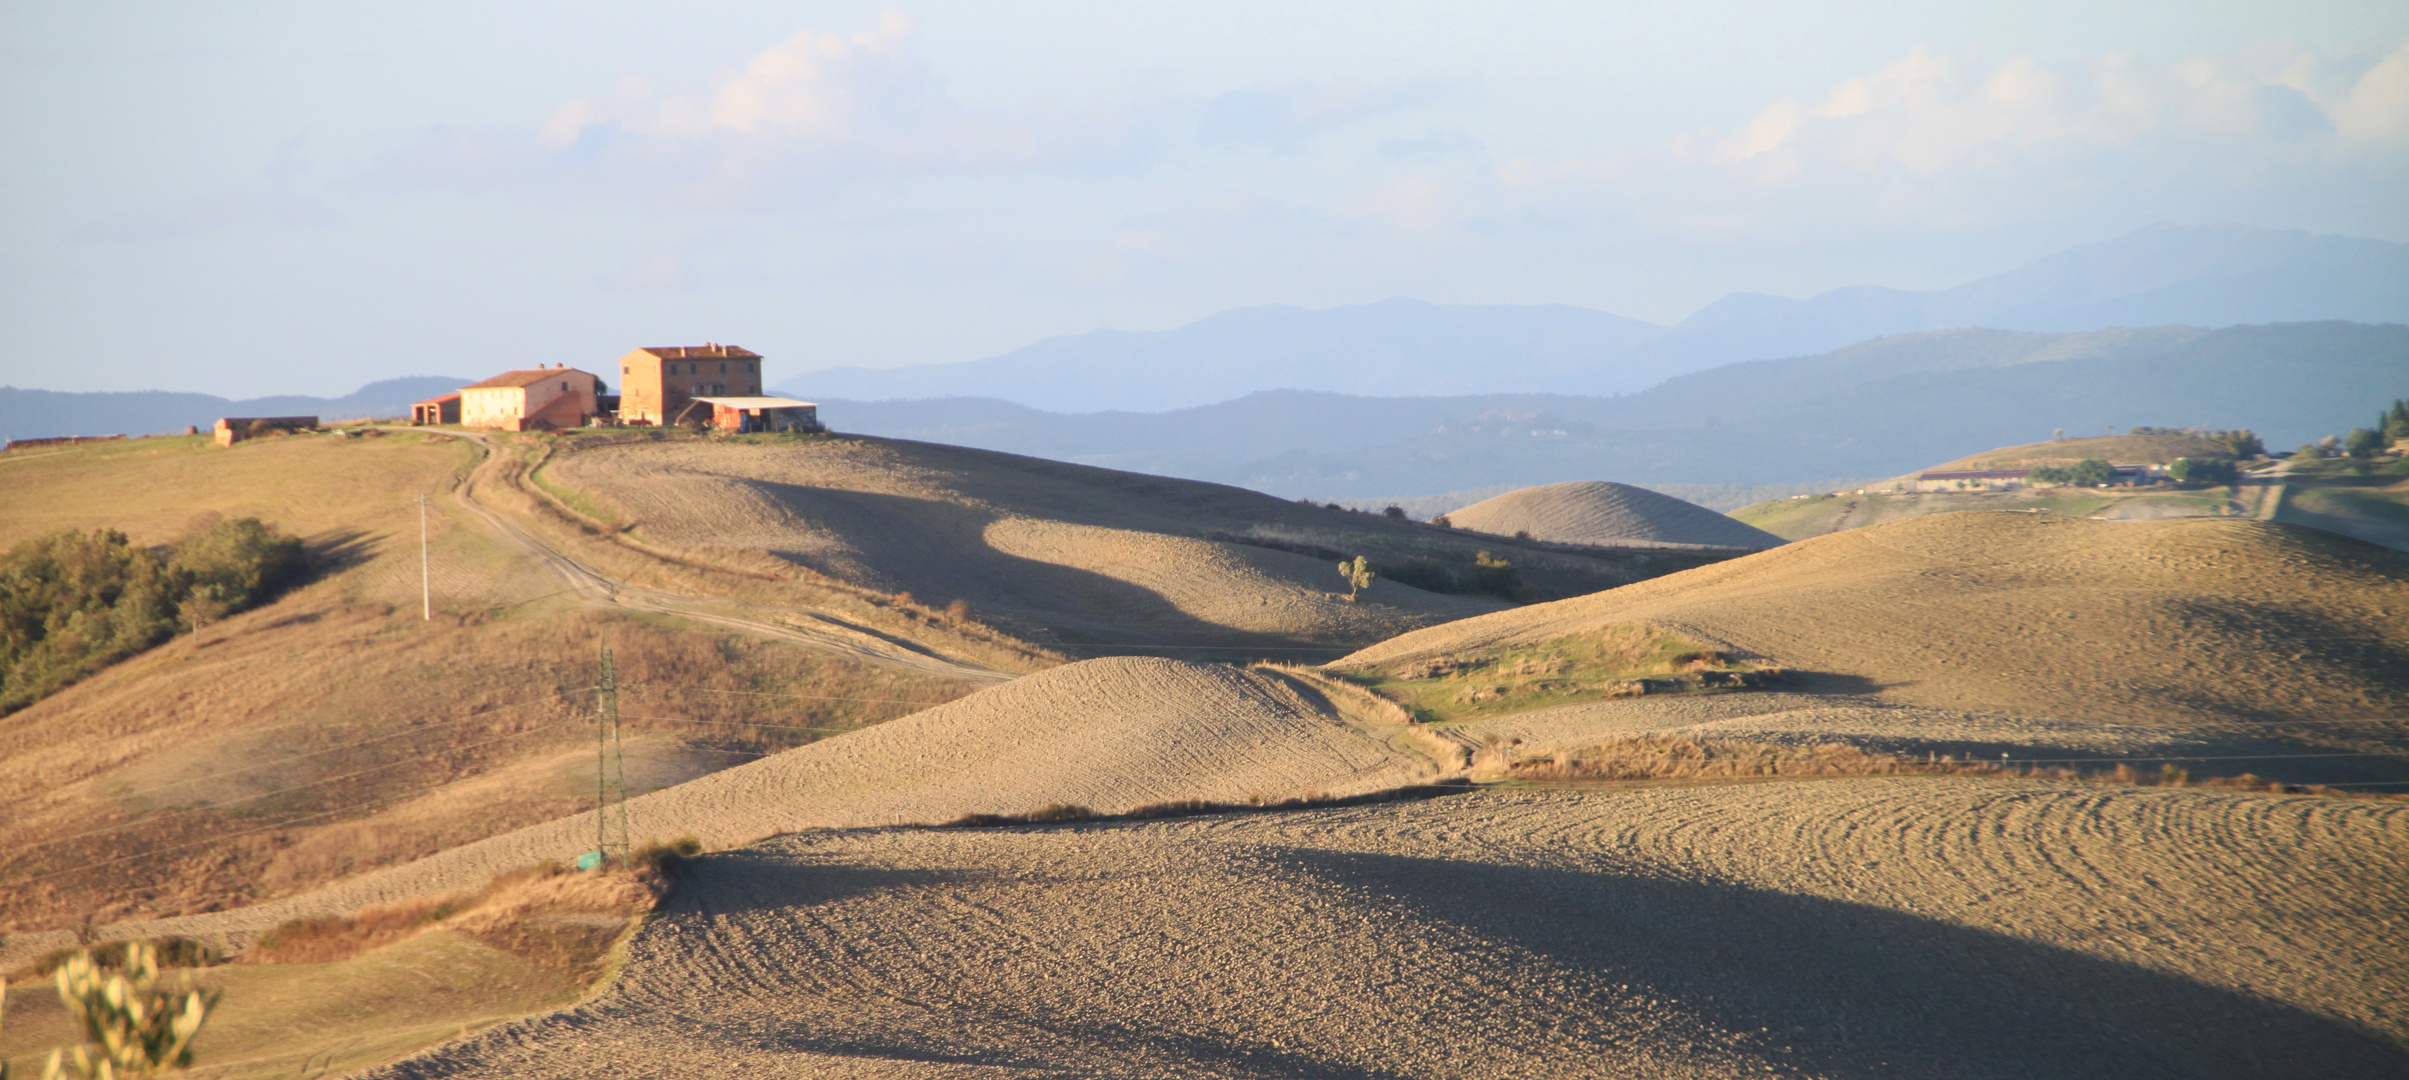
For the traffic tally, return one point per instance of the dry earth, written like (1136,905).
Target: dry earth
(2209,627)
(1064,555)
(1599,512)
(1909,927)
(335,730)
(1112,734)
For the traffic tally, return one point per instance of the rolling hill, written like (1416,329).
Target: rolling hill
(1598,512)
(1074,557)
(2238,626)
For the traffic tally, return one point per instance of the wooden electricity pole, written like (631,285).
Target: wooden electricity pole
(426,577)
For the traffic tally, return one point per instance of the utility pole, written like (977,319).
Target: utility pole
(426,576)
(610,770)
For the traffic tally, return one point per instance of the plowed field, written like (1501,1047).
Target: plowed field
(1874,927)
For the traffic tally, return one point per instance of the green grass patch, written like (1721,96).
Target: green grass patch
(1615,662)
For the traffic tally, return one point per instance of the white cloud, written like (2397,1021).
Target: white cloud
(820,110)
(814,111)
(2377,109)
(1931,112)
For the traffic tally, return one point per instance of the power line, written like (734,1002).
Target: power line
(273,791)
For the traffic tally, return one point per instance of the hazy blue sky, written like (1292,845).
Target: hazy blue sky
(250,198)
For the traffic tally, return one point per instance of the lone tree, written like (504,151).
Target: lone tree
(1358,574)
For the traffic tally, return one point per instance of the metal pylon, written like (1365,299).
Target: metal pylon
(610,770)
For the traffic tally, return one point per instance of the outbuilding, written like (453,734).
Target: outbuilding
(532,399)
(740,414)
(437,410)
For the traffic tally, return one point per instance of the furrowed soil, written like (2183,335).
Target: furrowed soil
(1071,557)
(1918,927)
(1111,734)
(2224,629)
(1597,512)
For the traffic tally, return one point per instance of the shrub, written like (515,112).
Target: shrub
(1443,522)
(665,860)
(2203,471)
(1497,577)
(2363,442)
(1394,512)
(139,1026)
(2085,473)
(1359,574)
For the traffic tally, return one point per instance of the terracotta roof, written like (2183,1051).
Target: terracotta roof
(453,396)
(697,352)
(525,377)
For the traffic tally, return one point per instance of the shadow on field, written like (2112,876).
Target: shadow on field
(1848,990)
(740,882)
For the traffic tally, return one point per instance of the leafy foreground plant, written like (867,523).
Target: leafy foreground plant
(139,1027)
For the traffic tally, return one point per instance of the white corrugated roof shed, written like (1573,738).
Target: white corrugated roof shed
(760,402)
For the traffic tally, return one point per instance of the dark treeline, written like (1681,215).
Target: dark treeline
(72,603)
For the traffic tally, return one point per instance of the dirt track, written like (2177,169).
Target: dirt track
(1060,554)
(1874,927)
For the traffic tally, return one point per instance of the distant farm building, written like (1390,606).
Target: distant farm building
(659,385)
(234,429)
(437,410)
(742,414)
(2003,479)
(532,399)
(1960,479)
(60,440)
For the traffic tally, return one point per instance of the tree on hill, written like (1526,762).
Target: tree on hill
(1358,573)
(73,603)
(2085,473)
(2203,471)
(2395,422)
(2363,442)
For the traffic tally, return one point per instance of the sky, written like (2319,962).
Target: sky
(255,198)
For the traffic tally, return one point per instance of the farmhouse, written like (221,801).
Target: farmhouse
(658,385)
(762,414)
(532,399)
(437,410)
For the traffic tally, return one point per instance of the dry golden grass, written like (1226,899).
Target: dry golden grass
(2218,625)
(1660,757)
(335,731)
(2116,449)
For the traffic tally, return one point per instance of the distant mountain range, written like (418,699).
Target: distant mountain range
(1878,408)
(2207,276)
(34,414)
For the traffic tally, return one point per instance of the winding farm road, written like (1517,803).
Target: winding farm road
(803,626)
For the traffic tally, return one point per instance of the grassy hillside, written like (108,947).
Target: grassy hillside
(2239,626)
(2114,449)
(1069,556)
(335,730)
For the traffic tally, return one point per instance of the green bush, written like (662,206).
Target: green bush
(72,603)
(2085,473)
(2203,471)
